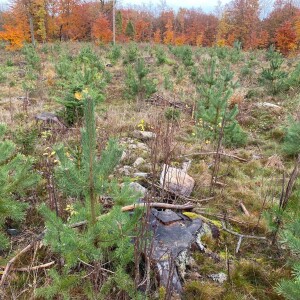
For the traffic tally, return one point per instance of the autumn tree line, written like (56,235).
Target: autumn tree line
(239,21)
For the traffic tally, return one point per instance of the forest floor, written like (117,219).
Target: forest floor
(246,190)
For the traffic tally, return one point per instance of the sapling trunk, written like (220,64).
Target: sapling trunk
(91,143)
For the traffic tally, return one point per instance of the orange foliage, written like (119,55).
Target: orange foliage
(297,28)
(257,40)
(285,38)
(169,33)
(157,37)
(221,42)
(80,20)
(199,40)
(141,30)
(230,39)
(180,40)
(14,36)
(101,31)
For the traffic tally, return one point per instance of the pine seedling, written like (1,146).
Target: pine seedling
(115,53)
(291,144)
(16,177)
(213,107)
(290,289)
(86,79)
(161,56)
(273,76)
(131,54)
(137,82)
(85,181)
(287,215)
(107,237)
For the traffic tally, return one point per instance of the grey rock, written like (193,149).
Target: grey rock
(181,262)
(138,188)
(13,232)
(176,181)
(49,118)
(141,174)
(126,170)
(144,135)
(124,155)
(205,231)
(132,146)
(186,165)
(139,161)
(219,277)
(172,242)
(142,146)
(256,157)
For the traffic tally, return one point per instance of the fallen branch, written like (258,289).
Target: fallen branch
(28,269)
(214,153)
(100,268)
(244,209)
(11,262)
(221,217)
(241,237)
(26,249)
(186,206)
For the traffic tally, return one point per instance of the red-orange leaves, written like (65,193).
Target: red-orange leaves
(286,38)
(14,36)
(101,31)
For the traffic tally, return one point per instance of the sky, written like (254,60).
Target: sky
(207,6)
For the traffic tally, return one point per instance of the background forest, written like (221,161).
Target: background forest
(256,24)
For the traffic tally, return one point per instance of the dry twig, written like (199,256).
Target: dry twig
(28,269)
(241,236)
(214,153)
(159,205)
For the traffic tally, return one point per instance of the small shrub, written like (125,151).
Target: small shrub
(131,53)
(115,53)
(32,58)
(89,58)
(180,73)
(9,63)
(213,107)
(273,76)
(63,68)
(137,82)
(161,56)
(291,145)
(168,84)
(16,178)
(26,139)
(185,53)
(2,75)
(172,114)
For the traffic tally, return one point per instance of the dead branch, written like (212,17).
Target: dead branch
(244,209)
(159,205)
(291,183)
(26,249)
(241,236)
(214,153)
(28,269)
(100,268)
(11,262)
(221,217)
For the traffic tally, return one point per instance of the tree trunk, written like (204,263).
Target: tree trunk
(31,29)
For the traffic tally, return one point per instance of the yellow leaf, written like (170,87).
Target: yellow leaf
(78,96)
